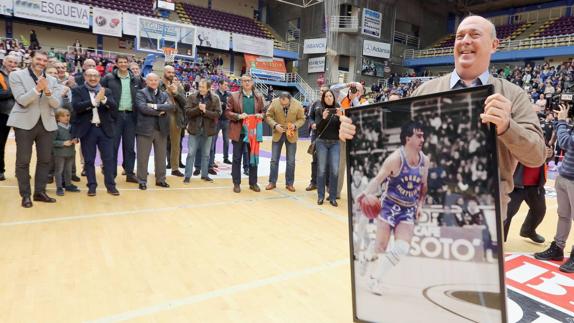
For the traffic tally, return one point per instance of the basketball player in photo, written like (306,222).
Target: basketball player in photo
(405,170)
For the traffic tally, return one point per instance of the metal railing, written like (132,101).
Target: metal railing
(306,92)
(505,45)
(104,53)
(288,46)
(344,23)
(408,40)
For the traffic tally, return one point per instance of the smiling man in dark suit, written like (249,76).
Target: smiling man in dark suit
(93,123)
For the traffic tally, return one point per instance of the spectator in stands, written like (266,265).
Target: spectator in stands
(34,43)
(94,113)
(88,64)
(124,87)
(77,46)
(177,123)
(100,68)
(519,134)
(6,103)
(152,106)
(223,124)
(313,134)
(285,116)
(136,71)
(202,110)
(240,105)
(564,193)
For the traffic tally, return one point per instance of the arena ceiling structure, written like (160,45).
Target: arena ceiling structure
(301,3)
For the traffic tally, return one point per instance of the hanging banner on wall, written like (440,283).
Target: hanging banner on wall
(130,24)
(6,7)
(372,22)
(54,11)
(376,49)
(265,63)
(316,65)
(315,46)
(207,37)
(252,45)
(107,22)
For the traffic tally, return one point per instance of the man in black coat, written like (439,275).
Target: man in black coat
(95,112)
(152,129)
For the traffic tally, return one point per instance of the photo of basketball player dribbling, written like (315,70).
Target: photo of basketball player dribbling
(423,192)
(405,172)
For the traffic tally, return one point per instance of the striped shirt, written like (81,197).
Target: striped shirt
(126,96)
(566,142)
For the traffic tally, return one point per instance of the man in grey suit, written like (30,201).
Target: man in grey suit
(33,121)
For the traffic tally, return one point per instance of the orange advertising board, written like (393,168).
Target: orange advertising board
(265,63)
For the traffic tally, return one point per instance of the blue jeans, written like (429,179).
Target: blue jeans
(195,143)
(276,154)
(223,126)
(327,154)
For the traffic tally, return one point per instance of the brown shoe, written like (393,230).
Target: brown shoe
(236,189)
(290,188)
(177,173)
(255,188)
(311,187)
(270,186)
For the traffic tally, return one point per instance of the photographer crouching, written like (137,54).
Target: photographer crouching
(564,193)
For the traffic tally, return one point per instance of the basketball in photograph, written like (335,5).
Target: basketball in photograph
(370,205)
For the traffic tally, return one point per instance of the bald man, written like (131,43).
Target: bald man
(88,64)
(518,129)
(171,85)
(95,112)
(153,107)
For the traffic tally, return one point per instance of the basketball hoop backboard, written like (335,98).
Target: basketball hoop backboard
(154,35)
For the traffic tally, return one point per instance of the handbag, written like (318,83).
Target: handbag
(311,149)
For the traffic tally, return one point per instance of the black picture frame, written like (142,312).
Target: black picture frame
(481,93)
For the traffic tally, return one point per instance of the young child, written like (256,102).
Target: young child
(64,153)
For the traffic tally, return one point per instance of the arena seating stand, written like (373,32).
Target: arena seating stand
(557,27)
(140,7)
(219,20)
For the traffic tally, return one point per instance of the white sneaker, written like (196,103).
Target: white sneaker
(375,286)
(363,264)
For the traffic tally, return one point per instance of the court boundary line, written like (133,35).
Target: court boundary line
(226,291)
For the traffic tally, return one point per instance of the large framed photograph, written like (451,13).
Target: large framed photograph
(424,213)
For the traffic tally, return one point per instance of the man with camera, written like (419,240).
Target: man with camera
(353,98)
(564,185)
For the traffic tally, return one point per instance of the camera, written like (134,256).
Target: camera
(353,89)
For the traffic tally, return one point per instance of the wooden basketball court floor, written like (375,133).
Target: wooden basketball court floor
(197,253)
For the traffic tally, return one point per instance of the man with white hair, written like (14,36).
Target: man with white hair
(152,107)
(9,63)
(88,64)
(518,129)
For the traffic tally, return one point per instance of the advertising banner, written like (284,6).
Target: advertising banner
(54,11)
(107,22)
(316,65)
(315,46)
(252,45)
